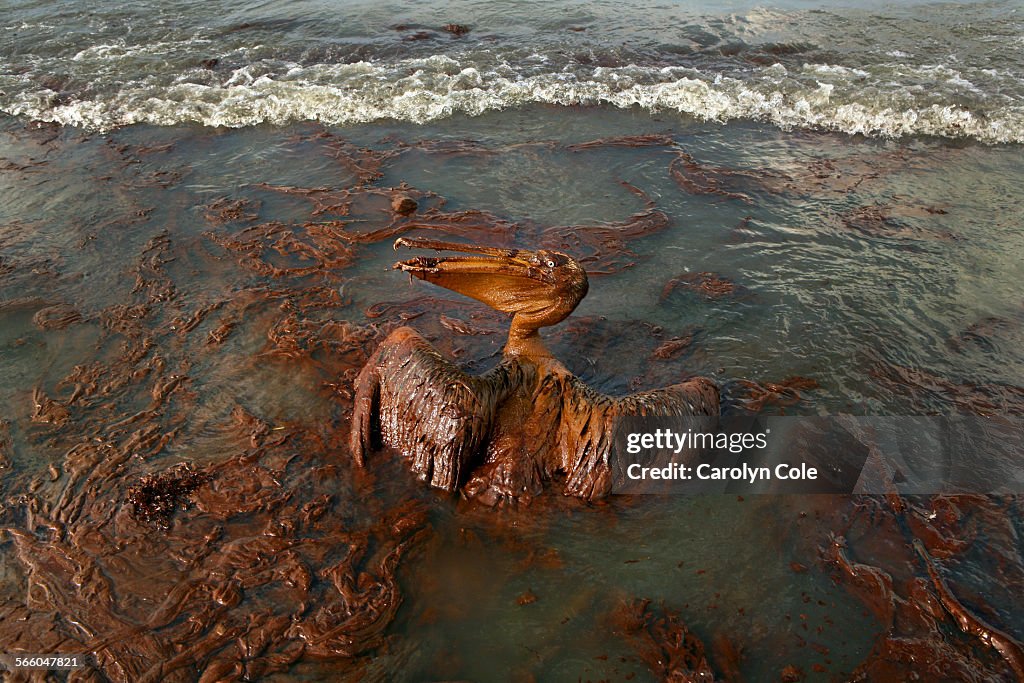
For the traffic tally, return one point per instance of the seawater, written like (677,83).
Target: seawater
(951,70)
(877,149)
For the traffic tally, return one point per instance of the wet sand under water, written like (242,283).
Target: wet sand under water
(183,311)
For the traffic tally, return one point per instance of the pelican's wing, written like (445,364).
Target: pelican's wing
(410,398)
(586,428)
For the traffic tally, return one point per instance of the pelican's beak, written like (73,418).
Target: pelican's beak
(509,280)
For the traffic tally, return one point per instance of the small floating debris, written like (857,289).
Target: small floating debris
(156,497)
(527,598)
(403,204)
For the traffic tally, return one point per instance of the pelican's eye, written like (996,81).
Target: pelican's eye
(551,264)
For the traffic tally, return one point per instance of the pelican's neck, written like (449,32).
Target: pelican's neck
(524,341)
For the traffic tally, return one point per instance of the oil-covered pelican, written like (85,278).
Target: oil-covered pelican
(527,420)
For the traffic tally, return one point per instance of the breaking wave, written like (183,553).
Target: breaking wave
(420,90)
(827,70)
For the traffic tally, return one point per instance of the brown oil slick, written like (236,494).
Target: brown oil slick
(223,210)
(229,572)
(673,348)
(664,643)
(693,178)
(911,607)
(456,30)
(974,398)
(707,285)
(603,248)
(653,140)
(164,517)
(884,221)
(228,568)
(970,624)
(754,397)
(56,317)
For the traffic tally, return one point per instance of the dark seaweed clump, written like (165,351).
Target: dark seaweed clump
(156,497)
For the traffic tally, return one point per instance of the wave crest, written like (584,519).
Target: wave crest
(425,89)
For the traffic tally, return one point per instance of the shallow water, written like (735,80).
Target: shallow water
(195,261)
(848,256)
(888,272)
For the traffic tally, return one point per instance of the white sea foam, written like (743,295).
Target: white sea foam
(424,89)
(123,50)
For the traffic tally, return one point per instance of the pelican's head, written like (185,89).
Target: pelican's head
(539,288)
